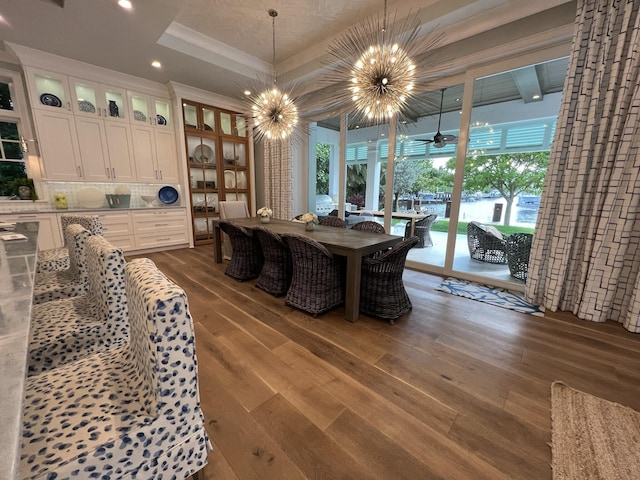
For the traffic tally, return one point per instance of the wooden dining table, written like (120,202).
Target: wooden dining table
(349,243)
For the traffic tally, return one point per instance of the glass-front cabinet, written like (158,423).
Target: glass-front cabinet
(218,164)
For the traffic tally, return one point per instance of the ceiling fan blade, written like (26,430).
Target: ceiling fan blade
(448,138)
(426,140)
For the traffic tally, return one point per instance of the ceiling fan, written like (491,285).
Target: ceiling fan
(439,140)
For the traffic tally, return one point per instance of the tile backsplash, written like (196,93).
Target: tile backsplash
(47,202)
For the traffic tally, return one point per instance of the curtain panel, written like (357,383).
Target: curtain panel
(278,174)
(586,251)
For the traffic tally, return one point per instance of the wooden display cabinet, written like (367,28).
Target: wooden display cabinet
(217,159)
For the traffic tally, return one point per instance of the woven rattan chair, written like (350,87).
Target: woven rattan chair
(369,226)
(518,252)
(275,276)
(382,292)
(486,244)
(421,230)
(317,283)
(333,222)
(246,257)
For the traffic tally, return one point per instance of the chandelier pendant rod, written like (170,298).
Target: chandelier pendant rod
(273,13)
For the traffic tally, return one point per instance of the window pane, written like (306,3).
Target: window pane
(5,97)
(9,171)
(9,131)
(12,150)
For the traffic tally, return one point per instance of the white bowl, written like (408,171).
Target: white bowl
(148,199)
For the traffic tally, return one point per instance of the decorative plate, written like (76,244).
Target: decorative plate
(90,197)
(161,120)
(168,195)
(207,127)
(86,106)
(229,179)
(203,154)
(139,116)
(50,99)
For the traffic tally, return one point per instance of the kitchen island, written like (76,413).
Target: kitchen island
(18,250)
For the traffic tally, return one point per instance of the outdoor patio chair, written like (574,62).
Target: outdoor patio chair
(317,283)
(275,275)
(421,230)
(246,253)
(486,243)
(518,252)
(57,259)
(382,292)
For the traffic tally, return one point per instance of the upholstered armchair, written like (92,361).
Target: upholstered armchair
(66,283)
(127,412)
(57,259)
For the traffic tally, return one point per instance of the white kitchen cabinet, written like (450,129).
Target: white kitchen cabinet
(58,143)
(117,227)
(48,90)
(49,235)
(160,227)
(155,154)
(149,110)
(106,149)
(91,99)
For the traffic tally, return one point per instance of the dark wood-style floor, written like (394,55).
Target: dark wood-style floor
(457,389)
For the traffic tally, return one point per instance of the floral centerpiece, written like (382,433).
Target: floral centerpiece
(310,220)
(265,214)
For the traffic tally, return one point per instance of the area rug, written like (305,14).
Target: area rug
(499,297)
(592,438)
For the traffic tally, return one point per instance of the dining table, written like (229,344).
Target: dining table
(411,217)
(346,242)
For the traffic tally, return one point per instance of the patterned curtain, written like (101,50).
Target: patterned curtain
(278,173)
(586,253)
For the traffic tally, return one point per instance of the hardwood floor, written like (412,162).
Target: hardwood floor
(457,389)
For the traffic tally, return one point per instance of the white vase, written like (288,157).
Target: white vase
(309,226)
(265,219)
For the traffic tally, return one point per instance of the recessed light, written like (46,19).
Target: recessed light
(536,97)
(125,4)
(156,64)
(247,92)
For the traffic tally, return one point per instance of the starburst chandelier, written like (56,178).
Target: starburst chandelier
(380,64)
(274,112)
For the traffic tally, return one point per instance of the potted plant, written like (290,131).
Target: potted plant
(23,189)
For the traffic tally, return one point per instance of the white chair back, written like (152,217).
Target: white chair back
(231,209)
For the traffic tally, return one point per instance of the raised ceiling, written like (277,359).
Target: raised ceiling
(222,45)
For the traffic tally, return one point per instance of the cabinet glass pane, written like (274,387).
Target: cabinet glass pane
(51,85)
(225,123)
(190,115)
(163,113)
(114,99)
(234,154)
(201,150)
(229,181)
(140,109)
(208,119)
(241,126)
(86,96)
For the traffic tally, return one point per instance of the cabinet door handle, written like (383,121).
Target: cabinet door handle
(107,170)
(69,106)
(80,171)
(26,216)
(113,173)
(160,174)
(164,239)
(162,224)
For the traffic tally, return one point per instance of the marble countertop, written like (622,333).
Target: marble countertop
(17,268)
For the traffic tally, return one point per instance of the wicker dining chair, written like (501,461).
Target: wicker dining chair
(333,222)
(275,276)
(422,230)
(369,226)
(246,254)
(317,283)
(382,292)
